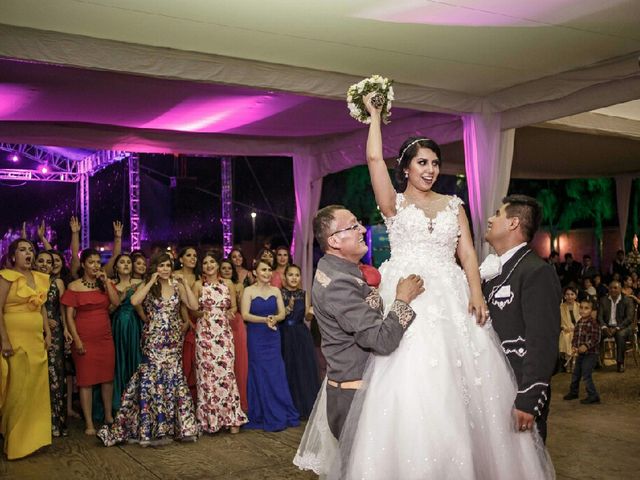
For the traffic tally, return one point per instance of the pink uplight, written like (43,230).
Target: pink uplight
(221,114)
(13,98)
(44,169)
(14,157)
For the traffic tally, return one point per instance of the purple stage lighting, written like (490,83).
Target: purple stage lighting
(14,157)
(44,169)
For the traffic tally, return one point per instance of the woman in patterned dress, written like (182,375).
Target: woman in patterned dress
(61,271)
(59,334)
(218,404)
(156,406)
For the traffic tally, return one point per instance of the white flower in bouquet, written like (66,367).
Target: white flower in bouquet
(357,92)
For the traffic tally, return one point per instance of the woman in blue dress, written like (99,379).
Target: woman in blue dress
(298,351)
(270,404)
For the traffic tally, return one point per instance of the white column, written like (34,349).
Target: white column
(488,156)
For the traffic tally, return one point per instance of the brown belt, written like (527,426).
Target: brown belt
(352,385)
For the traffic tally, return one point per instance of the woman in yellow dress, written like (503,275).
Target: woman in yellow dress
(569,315)
(25,410)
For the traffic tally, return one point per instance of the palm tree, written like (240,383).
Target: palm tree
(550,199)
(358,195)
(590,200)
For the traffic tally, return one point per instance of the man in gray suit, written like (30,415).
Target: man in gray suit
(349,312)
(616,316)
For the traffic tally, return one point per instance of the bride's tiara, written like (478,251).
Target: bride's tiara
(421,139)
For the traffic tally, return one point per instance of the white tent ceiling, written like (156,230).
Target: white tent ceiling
(465,46)
(541,63)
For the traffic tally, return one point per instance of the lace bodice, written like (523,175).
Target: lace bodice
(412,234)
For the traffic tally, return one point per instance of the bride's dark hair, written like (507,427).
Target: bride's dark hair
(408,150)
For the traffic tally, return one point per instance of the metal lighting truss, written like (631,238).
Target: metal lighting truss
(87,167)
(134,201)
(25,175)
(54,161)
(227,205)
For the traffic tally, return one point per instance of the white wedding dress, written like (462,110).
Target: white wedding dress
(440,406)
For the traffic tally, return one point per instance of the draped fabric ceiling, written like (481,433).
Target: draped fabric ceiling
(269,78)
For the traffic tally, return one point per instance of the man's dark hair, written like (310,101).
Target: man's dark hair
(584,257)
(322,224)
(528,210)
(568,256)
(554,254)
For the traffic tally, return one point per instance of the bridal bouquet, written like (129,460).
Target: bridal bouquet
(384,97)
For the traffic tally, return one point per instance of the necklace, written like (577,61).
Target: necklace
(89,285)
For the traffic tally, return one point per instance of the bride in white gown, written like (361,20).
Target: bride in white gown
(441,405)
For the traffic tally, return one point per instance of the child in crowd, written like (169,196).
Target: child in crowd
(586,339)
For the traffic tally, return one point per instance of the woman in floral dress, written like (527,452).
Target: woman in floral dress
(218,404)
(59,332)
(156,406)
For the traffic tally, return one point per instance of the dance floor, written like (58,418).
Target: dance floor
(586,442)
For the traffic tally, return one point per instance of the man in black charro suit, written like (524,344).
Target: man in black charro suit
(524,299)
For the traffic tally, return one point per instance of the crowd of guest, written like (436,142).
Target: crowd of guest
(158,349)
(612,298)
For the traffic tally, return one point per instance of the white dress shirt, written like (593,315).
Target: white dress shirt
(506,256)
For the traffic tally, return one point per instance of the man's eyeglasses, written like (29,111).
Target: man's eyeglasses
(353,227)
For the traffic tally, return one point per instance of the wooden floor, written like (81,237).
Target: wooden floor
(586,442)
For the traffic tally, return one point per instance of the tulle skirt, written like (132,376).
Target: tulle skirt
(439,407)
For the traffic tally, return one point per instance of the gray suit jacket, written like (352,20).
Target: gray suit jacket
(350,318)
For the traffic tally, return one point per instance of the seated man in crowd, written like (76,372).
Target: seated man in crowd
(615,316)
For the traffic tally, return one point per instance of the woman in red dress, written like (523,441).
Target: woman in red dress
(87,300)
(188,261)
(241,364)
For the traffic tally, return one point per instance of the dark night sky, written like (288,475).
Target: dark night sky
(190,212)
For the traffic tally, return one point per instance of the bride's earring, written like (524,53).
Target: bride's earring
(406,174)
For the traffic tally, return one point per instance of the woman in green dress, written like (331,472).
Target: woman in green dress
(126,325)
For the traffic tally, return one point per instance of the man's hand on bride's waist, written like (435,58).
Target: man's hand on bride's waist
(409,288)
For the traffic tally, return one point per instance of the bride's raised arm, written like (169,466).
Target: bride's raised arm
(380,181)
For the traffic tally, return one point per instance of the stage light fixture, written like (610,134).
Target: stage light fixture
(14,157)
(44,169)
